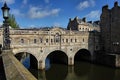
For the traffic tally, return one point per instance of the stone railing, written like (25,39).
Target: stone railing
(14,70)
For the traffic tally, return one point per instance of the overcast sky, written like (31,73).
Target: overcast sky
(37,13)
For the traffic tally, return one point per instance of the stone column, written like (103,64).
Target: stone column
(70,61)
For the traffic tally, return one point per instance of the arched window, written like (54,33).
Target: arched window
(82,29)
(46,40)
(57,37)
(22,40)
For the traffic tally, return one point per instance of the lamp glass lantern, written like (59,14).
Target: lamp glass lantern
(5,11)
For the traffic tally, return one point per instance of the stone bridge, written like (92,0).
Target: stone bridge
(42,44)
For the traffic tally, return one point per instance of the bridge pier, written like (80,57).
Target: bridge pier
(41,65)
(70,61)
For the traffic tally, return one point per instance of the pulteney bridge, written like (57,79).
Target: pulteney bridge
(56,43)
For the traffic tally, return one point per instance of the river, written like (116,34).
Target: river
(80,71)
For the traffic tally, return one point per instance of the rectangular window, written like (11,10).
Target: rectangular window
(63,40)
(71,40)
(75,40)
(66,40)
(51,40)
(46,40)
(83,39)
(35,40)
(41,40)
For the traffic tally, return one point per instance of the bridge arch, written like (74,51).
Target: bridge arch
(30,51)
(28,59)
(57,56)
(82,54)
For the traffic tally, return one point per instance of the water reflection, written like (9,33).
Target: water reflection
(81,71)
(57,71)
(82,68)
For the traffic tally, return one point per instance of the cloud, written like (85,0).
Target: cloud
(17,12)
(85,4)
(36,12)
(56,24)
(25,1)
(47,1)
(8,1)
(94,14)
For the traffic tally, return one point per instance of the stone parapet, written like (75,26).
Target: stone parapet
(14,70)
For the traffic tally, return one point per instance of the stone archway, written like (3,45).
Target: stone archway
(58,57)
(82,68)
(27,59)
(82,54)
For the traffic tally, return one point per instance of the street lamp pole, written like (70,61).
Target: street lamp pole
(6,37)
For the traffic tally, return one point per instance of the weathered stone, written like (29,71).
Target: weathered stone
(40,43)
(14,70)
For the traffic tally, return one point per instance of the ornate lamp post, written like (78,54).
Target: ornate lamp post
(6,38)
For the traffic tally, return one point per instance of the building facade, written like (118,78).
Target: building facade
(81,25)
(110,26)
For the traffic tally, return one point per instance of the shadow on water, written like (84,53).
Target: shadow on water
(81,68)
(57,71)
(81,71)
(87,71)
(98,72)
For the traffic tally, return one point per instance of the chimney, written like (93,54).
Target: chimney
(116,4)
(90,22)
(76,18)
(84,19)
(105,7)
(97,22)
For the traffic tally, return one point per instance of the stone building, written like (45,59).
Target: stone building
(110,29)
(81,25)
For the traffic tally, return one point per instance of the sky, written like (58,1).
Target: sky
(42,13)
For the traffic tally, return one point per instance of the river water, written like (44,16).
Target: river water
(80,71)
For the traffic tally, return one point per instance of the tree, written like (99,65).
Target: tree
(12,22)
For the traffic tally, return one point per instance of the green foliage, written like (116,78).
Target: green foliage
(12,21)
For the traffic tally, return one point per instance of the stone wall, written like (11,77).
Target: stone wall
(110,29)
(40,43)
